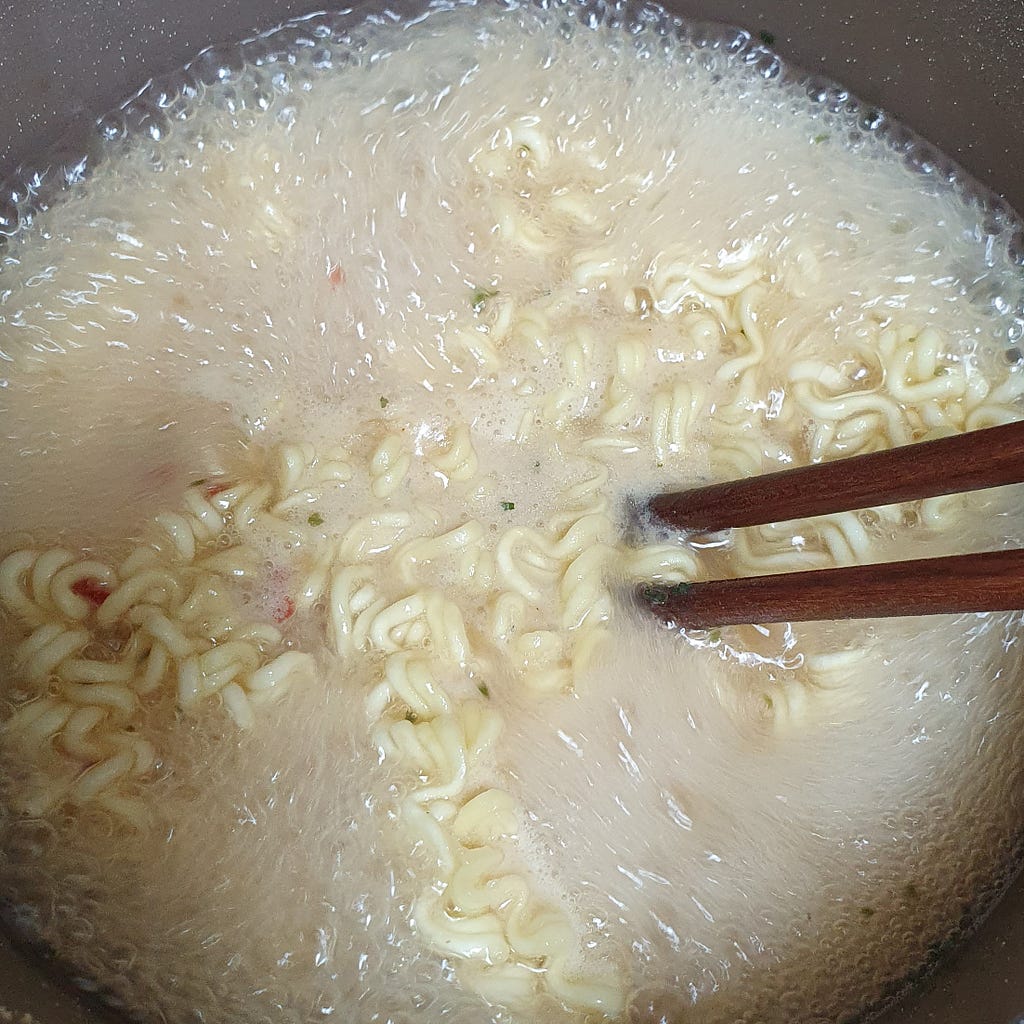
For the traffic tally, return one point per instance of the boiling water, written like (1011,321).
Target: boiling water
(407,225)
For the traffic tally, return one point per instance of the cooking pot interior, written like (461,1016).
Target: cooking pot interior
(952,72)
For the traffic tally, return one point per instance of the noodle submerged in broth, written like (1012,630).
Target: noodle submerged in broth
(324,407)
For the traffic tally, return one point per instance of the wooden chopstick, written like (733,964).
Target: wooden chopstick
(988,581)
(965,462)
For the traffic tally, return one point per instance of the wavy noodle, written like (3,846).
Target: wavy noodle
(458,460)
(623,396)
(388,466)
(673,415)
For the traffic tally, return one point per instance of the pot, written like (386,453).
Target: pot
(951,72)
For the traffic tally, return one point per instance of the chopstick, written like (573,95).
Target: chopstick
(987,581)
(965,462)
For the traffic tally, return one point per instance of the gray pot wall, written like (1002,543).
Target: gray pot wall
(952,71)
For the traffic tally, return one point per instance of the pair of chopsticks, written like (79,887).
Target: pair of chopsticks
(987,581)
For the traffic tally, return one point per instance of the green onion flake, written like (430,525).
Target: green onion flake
(507,506)
(480,296)
(315,519)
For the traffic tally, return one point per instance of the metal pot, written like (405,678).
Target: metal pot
(950,71)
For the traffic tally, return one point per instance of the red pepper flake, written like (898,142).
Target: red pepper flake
(91,589)
(212,490)
(336,275)
(159,476)
(284,610)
